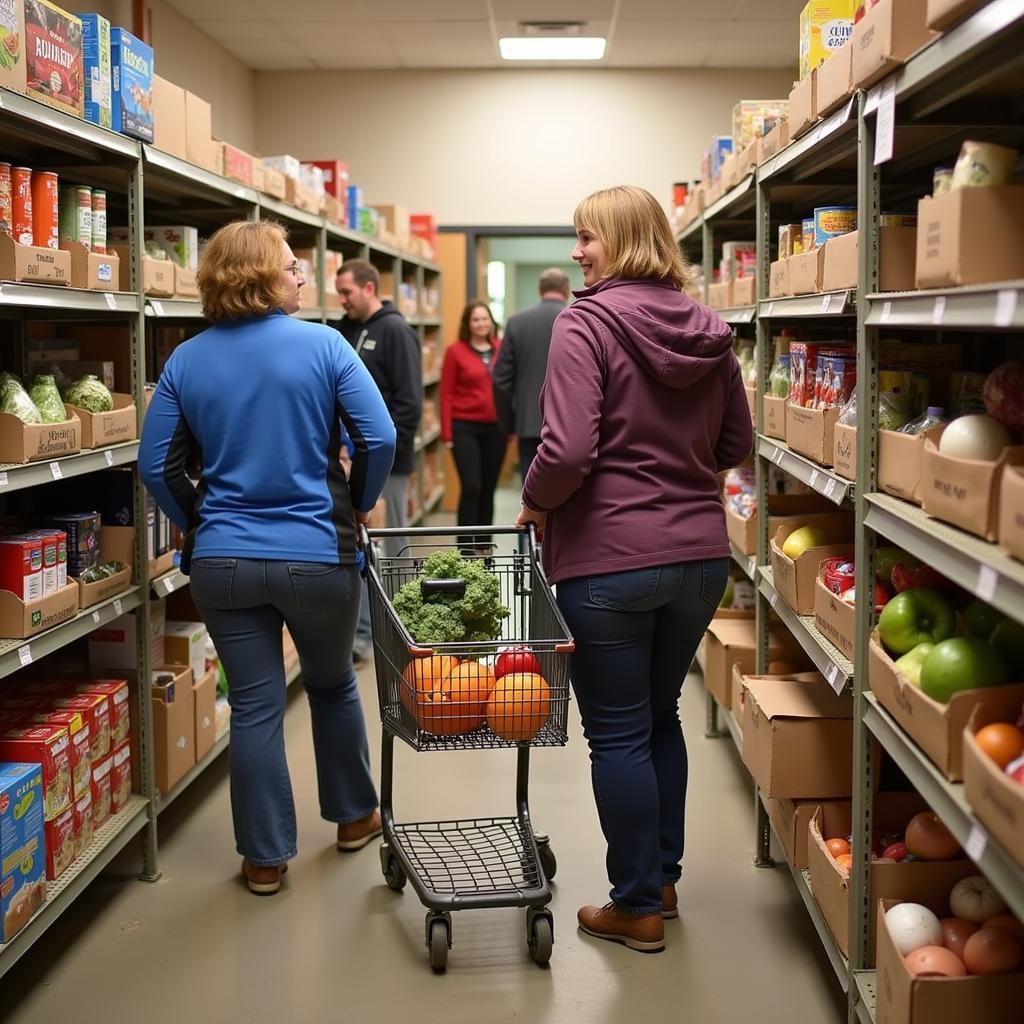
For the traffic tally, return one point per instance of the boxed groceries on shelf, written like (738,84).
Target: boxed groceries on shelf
(98,72)
(890,33)
(174,725)
(824,26)
(790,820)
(833,603)
(943,14)
(803,104)
(131,62)
(797,551)
(22,845)
(53,48)
(1011,512)
(170,131)
(834,80)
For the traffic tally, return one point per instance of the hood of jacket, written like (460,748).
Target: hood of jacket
(675,339)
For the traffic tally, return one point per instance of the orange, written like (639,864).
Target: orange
(456,706)
(422,675)
(518,706)
(1002,742)
(837,847)
(844,862)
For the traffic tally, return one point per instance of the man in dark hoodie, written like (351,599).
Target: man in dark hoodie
(391,351)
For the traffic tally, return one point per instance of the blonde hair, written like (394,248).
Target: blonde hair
(636,235)
(240,270)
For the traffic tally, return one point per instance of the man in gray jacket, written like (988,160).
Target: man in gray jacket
(523,361)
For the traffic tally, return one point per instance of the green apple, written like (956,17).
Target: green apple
(961,663)
(980,619)
(915,617)
(729,596)
(801,539)
(910,664)
(1008,639)
(885,559)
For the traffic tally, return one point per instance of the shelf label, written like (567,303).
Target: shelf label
(3,479)
(110,300)
(886,312)
(885,127)
(25,654)
(55,471)
(117,606)
(977,842)
(814,478)
(1006,307)
(96,618)
(157,307)
(835,680)
(939,310)
(169,585)
(779,454)
(774,599)
(769,309)
(830,487)
(988,580)
(826,301)
(109,456)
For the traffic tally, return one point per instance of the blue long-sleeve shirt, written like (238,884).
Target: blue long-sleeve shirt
(265,404)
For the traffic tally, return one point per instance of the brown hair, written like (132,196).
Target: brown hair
(240,271)
(554,280)
(636,235)
(363,273)
(468,312)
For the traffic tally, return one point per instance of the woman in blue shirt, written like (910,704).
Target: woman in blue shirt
(263,402)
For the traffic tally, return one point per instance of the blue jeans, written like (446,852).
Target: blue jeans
(636,633)
(244,603)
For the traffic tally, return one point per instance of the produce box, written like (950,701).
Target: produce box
(101,590)
(199,144)
(965,492)
(901,462)
(1011,512)
(33,264)
(795,578)
(906,881)
(798,738)
(834,617)
(996,799)
(835,79)
(790,820)
(937,728)
(970,236)
(100,429)
(22,619)
(204,699)
(12,39)
(98,98)
(941,14)
(811,432)
(99,272)
(744,291)
(844,451)
(890,32)
(170,133)
(805,271)
(803,105)
(731,641)
(174,728)
(131,62)
(53,44)
(22,845)
(59,839)
(775,416)
(778,279)
(46,745)
(781,670)
(185,285)
(789,509)
(903,998)
(34,442)
(102,790)
(273,182)
(775,141)
(897,247)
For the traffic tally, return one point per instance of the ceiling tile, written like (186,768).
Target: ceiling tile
(657,54)
(768,32)
(656,32)
(554,10)
(222,30)
(346,37)
(768,10)
(592,28)
(751,55)
(294,62)
(440,33)
(410,55)
(348,56)
(438,10)
(333,11)
(226,10)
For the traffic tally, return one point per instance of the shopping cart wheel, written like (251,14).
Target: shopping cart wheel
(394,876)
(439,939)
(540,934)
(547,857)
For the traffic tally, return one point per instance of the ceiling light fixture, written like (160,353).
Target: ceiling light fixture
(557,48)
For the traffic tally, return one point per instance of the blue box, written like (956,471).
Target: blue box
(721,147)
(354,196)
(131,64)
(22,845)
(96,56)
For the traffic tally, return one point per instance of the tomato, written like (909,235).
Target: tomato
(516,659)
(1002,742)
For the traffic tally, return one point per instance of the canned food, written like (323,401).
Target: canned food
(21,567)
(807,234)
(83,533)
(942,180)
(838,575)
(984,165)
(832,221)
(5,198)
(76,215)
(898,220)
(21,204)
(99,221)
(45,209)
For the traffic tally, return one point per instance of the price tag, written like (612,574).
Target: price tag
(886,312)
(3,479)
(814,478)
(96,618)
(988,579)
(1006,306)
(774,599)
(109,456)
(117,606)
(885,127)
(779,453)
(55,471)
(157,307)
(836,681)
(110,300)
(826,302)
(939,310)
(25,654)
(977,841)
(169,585)
(830,487)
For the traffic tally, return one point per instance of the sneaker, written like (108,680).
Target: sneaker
(642,932)
(669,902)
(354,835)
(263,880)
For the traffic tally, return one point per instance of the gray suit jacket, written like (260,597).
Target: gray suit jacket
(521,366)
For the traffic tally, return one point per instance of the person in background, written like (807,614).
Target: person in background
(469,421)
(519,369)
(270,532)
(390,349)
(643,406)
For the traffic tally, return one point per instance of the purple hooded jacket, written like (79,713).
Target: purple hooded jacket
(643,405)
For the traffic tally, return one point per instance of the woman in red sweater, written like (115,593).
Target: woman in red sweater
(469,421)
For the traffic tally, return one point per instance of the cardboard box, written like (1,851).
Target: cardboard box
(336,181)
(798,738)
(739,683)
(913,881)
(397,217)
(157,275)
(970,236)
(93,593)
(941,14)
(803,105)
(747,159)
(48,746)
(99,272)
(937,728)
(59,833)
(720,295)
(732,642)
(120,776)
(897,249)
(795,579)
(778,279)
(965,492)
(33,264)
(98,99)
(12,38)
(204,698)
(100,429)
(729,174)
(113,646)
(54,61)
(744,291)
(844,451)
(170,132)
(742,532)
(901,462)
(775,417)
(131,63)
(889,33)
(835,79)
(185,283)
(174,728)
(79,746)
(824,26)
(903,998)
(185,644)
(22,842)
(273,182)
(199,147)
(34,442)
(238,164)
(834,618)
(101,789)
(812,432)
(1011,512)
(791,818)
(774,142)
(805,272)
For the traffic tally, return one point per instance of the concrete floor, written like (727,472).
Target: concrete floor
(336,944)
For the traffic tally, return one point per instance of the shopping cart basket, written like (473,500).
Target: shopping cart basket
(480,862)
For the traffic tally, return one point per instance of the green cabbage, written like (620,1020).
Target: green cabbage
(14,400)
(89,393)
(46,397)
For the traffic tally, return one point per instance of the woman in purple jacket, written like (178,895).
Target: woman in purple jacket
(643,407)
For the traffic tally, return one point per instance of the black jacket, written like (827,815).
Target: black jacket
(521,366)
(390,349)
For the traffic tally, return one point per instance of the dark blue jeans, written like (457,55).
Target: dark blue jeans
(636,633)
(244,603)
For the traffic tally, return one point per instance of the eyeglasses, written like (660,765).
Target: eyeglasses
(292,268)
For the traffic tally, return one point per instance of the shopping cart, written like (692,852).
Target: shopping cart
(479,862)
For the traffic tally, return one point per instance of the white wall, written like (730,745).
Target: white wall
(504,147)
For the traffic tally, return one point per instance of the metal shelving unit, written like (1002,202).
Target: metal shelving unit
(57,299)
(173,309)
(818,478)
(168,583)
(738,314)
(427,439)
(865,1000)
(821,304)
(981,307)
(748,563)
(16,477)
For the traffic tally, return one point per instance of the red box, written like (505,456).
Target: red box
(335,177)
(53,55)
(95,708)
(83,822)
(237,164)
(120,777)
(120,704)
(60,843)
(80,747)
(21,567)
(424,225)
(101,790)
(45,745)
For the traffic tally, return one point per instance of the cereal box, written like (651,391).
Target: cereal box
(22,859)
(131,76)
(45,745)
(753,118)
(83,822)
(101,793)
(96,57)
(824,26)
(120,705)
(80,747)
(12,48)
(120,777)
(95,709)
(53,48)
(60,842)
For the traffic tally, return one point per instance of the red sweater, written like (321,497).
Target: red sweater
(466,392)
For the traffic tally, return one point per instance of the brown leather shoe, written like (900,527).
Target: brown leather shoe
(642,932)
(263,880)
(354,835)
(669,902)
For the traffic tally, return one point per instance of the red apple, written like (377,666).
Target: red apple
(516,659)
(896,851)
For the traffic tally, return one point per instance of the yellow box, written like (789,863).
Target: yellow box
(824,26)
